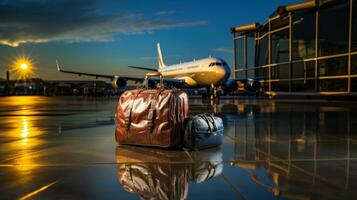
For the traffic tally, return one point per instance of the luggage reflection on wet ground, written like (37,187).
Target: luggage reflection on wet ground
(52,148)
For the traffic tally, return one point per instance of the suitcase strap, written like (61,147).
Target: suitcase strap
(208,118)
(130,109)
(151,114)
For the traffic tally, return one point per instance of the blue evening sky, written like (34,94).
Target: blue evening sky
(106,36)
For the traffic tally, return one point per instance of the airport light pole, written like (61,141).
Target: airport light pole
(7,87)
(7,75)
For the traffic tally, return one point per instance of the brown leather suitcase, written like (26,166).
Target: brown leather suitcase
(151,117)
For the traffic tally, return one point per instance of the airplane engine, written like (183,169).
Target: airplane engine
(252,86)
(230,86)
(120,82)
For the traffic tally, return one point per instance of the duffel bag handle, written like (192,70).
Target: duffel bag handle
(153,74)
(209,118)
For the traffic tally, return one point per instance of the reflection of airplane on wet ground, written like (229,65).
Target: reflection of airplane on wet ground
(208,73)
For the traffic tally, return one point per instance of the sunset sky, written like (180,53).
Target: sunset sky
(107,36)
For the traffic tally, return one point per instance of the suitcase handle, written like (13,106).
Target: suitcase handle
(208,118)
(153,74)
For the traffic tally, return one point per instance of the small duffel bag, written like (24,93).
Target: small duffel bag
(203,131)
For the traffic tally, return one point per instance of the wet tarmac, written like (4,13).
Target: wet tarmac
(64,148)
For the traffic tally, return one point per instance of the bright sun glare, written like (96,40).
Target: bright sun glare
(23,66)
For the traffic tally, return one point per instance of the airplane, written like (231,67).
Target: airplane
(210,73)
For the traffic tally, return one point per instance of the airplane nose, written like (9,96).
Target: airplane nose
(227,72)
(222,73)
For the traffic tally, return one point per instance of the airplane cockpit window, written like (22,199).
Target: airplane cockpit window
(216,64)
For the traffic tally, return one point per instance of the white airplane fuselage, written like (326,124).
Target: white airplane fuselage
(200,73)
(207,72)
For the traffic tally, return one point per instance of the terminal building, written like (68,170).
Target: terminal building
(305,48)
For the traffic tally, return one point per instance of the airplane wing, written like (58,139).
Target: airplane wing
(168,81)
(143,68)
(111,77)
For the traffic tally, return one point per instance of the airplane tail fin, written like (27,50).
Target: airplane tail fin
(160,59)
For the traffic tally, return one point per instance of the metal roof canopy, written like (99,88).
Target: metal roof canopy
(280,10)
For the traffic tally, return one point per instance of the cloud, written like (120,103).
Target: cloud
(74,21)
(223,49)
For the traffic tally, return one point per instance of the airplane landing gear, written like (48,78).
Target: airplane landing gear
(210,98)
(214,95)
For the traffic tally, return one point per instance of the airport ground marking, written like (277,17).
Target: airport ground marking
(29,195)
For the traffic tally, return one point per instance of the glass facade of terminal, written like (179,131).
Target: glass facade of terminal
(310,49)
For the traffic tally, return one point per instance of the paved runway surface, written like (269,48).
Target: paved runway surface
(64,148)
